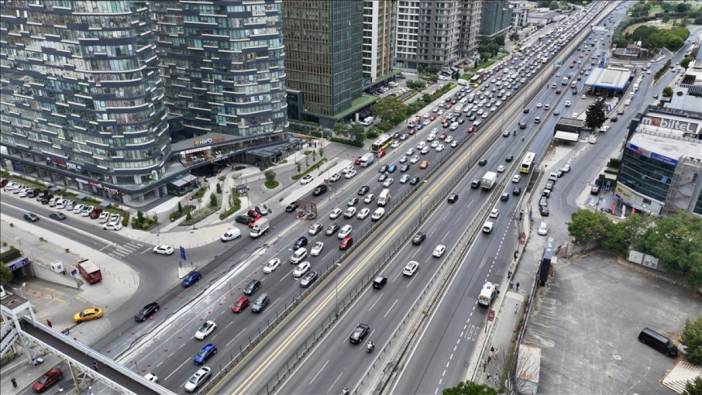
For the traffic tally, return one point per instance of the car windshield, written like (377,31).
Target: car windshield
(357,333)
(43,379)
(194,379)
(204,327)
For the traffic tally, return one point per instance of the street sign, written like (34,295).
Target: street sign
(491,315)
(182,253)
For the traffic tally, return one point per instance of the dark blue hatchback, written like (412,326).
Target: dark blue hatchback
(190,279)
(207,351)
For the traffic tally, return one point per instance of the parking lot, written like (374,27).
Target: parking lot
(587,320)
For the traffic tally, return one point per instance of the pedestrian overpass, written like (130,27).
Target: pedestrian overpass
(20,329)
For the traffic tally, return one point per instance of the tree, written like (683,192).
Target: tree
(500,40)
(390,109)
(469,388)
(5,274)
(685,62)
(514,36)
(595,114)
(140,216)
(694,387)
(692,338)
(667,91)
(589,228)
(321,152)
(270,175)
(341,128)
(213,200)
(682,7)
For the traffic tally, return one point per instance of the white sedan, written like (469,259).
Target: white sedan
(301,269)
(205,330)
(500,168)
(113,226)
(410,268)
(335,213)
(350,212)
(414,159)
(306,179)
(439,251)
(317,248)
(378,214)
(151,377)
(271,265)
(363,213)
(494,213)
(350,174)
(516,178)
(164,249)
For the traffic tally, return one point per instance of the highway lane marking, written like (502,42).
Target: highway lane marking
(390,309)
(237,335)
(286,276)
(329,390)
(318,372)
(410,282)
(380,296)
(147,249)
(176,369)
(105,246)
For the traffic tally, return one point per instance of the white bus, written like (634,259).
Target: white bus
(384,197)
(527,162)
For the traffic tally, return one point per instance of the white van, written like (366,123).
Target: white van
(487,294)
(384,197)
(487,227)
(298,255)
(259,228)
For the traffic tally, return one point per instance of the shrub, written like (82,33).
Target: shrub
(181,212)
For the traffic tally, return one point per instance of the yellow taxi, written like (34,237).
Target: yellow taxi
(91,313)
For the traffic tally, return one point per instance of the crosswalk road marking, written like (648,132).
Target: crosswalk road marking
(121,251)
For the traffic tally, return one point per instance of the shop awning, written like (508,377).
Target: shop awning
(567,136)
(183,181)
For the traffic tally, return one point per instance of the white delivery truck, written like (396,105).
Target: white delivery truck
(384,197)
(487,294)
(488,181)
(259,228)
(367,159)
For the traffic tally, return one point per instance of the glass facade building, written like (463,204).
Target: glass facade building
(82,99)
(222,65)
(496,17)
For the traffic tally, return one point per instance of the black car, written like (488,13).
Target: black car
(260,303)
(509,158)
(320,190)
(359,333)
(31,217)
(516,191)
(331,229)
(252,287)
(418,238)
(243,219)
(414,181)
(146,312)
(504,197)
(379,282)
(526,110)
(482,162)
(475,184)
(308,279)
(363,190)
(452,198)
(291,207)
(57,215)
(299,243)
(543,210)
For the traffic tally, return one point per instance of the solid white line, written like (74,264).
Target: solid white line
(329,390)
(286,276)
(177,369)
(318,372)
(147,249)
(390,309)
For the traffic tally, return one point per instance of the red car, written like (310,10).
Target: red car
(53,376)
(346,243)
(241,304)
(357,161)
(380,153)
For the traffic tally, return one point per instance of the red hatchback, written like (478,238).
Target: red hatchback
(345,243)
(240,305)
(53,376)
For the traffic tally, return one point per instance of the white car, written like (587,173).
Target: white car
(410,152)
(395,144)
(205,330)
(439,148)
(335,213)
(103,218)
(543,229)
(424,150)
(197,379)
(516,178)
(113,226)
(315,228)
(495,213)
(164,249)
(350,212)
(78,208)
(403,159)
(434,144)
(350,174)
(363,213)
(454,144)
(500,168)
(378,214)
(86,211)
(317,248)
(369,198)
(335,177)
(301,269)
(231,234)
(404,179)
(388,182)
(271,265)
(113,218)
(487,227)
(410,268)
(414,159)
(344,231)
(439,251)
(151,377)
(567,103)
(306,179)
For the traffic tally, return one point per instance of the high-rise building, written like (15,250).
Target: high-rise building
(223,68)
(82,99)
(496,18)
(520,14)
(378,38)
(436,34)
(323,46)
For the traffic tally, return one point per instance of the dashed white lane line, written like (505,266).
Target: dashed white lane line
(319,372)
(177,369)
(380,296)
(390,309)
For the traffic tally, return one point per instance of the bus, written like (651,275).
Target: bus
(383,142)
(527,162)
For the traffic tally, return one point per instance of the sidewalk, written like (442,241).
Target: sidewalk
(24,373)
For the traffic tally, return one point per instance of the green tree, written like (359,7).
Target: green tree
(469,388)
(500,40)
(589,228)
(341,128)
(692,338)
(390,109)
(682,7)
(694,387)
(321,152)
(270,175)
(140,216)
(514,36)
(685,62)
(213,200)
(595,114)
(5,274)
(667,91)
(426,98)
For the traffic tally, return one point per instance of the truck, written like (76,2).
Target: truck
(90,271)
(488,181)
(367,159)
(487,294)
(259,228)
(384,197)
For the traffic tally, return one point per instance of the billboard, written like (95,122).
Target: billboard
(652,155)
(687,128)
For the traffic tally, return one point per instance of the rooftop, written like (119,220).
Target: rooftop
(608,78)
(666,145)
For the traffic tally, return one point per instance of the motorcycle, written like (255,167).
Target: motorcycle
(370,347)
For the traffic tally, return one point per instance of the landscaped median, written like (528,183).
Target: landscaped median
(310,169)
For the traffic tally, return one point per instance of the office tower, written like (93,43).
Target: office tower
(222,65)
(82,99)
(378,38)
(496,18)
(323,46)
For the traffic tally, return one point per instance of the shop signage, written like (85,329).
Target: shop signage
(208,141)
(673,124)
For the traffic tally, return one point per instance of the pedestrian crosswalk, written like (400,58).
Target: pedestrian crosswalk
(123,250)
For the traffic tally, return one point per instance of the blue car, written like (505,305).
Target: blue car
(190,279)
(205,354)
(391,168)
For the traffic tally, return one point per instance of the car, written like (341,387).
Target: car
(363,190)
(252,287)
(207,351)
(308,279)
(504,197)
(319,190)
(475,184)
(205,330)
(509,158)
(566,168)
(410,268)
(389,181)
(452,198)
(86,211)
(291,207)
(317,248)
(369,198)
(414,159)
(335,177)
(487,227)
(345,231)
(243,219)
(352,202)
(301,269)
(345,243)
(300,242)
(495,213)
(88,314)
(424,151)
(378,214)
(350,174)
(382,177)
(103,218)
(147,311)
(78,208)
(151,377)
(350,212)
(423,164)
(404,168)
(414,181)
(57,215)
(240,305)
(595,190)
(260,303)
(404,179)
(306,179)
(164,249)
(31,217)
(526,110)
(438,251)
(271,265)
(231,234)
(315,228)
(500,168)
(335,213)
(543,229)
(190,279)
(359,333)
(331,229)
(392,168)
(517,191)
(418,238)
(47,380)
(197,379)
(543,210)
(482,162)
(363,213)
(516,178)
(112,226)
(567,103)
